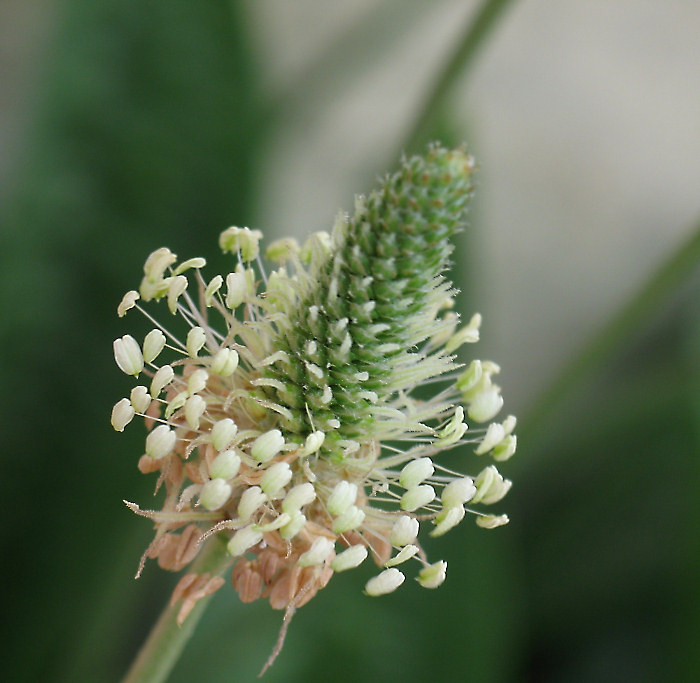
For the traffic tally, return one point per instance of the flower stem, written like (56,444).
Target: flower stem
(628,320)
(166,641)
(477,30)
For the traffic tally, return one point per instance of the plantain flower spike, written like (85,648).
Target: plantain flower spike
(283,413)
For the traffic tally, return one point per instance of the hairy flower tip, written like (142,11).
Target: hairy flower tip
(298,422)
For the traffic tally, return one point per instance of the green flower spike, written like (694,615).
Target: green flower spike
(287,420)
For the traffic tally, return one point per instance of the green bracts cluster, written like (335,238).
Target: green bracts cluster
(363,308)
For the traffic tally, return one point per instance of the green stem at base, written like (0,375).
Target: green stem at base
(166,641)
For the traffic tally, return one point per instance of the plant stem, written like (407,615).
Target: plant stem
(166,641)
(473,37)
(628,320)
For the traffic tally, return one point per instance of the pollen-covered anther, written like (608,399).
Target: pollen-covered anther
(127,354)
(469,334)
(196,262)
(196,338)
(386,582)
(197,381)
(252,499)
(295,524)
(492,521)
(470,377)
(276,477)
(316,247)
(161,379)
(454,429)
(281,250)
(240,286)
(241,241)
(128,302)
(140,399)
(157,262)
(433,575)
(458,492)
(279,522)
(225,362)
(447,519)
(122,414)
(177,288)
(486,405)
(225,465)
(505,449)
(153,344)
(404,531)
(494,435)
(222,433)
(350,558)
(243,539)
(160,442)
(349,519)
(415,472)
(490,486)
(194,409)
(214,494)
(212,288)
(417,497)
(175,403)
(406,553)
(319,551)
(342,497)
(313,442)
(267,445)
(299,496)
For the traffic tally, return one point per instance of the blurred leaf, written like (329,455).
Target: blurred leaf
(146,136)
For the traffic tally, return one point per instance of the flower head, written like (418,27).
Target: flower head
(285,416)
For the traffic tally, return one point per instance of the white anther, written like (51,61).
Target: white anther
(128,302)
(225,362)
(458,492)
(222,433)
(161,379)
(386,582)
(320,549)
(299,496)
(140,399)
(243,539)
(153,344)
(416,472)
(342,497)
(353,557)
(348,519)
(194,409)
(276,477)
(404,531)
(433,575)
(417,497)
(214,494)
(122,414)
(251,501)
(160,442)
(196,338)
(267,445)
(127,354)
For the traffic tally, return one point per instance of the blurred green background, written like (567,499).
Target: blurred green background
(131,125)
